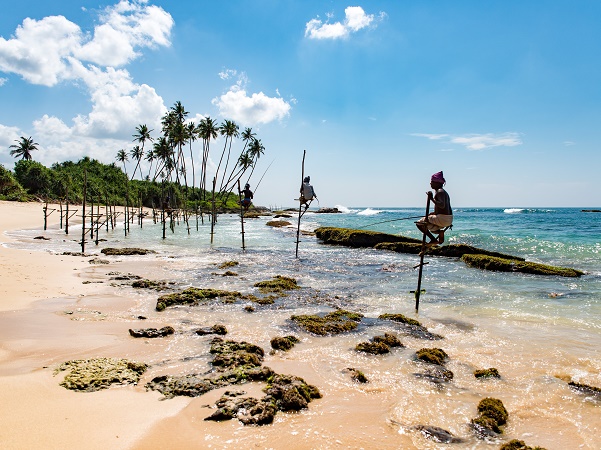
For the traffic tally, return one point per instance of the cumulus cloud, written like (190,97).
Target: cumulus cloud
(355,19)
(477,141)
(54,50)
(3,81)
(253,109)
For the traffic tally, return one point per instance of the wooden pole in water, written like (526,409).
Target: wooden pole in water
(83,212)
(213,210)
(300,206)
(241,214)
(421,262)
(67,212)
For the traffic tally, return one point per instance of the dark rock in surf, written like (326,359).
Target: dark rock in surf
(215,329)
(125,251)
(437,434)
(151,332)
(511,265)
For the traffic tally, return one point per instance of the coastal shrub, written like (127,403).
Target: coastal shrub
(91,375)
(432,355)
(34,177)
(10,189)
(335,322)
(510,265)
(193,296)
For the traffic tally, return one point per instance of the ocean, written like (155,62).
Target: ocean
(538,331)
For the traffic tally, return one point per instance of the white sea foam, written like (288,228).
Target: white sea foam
(513,210)
(369,212)
(344,209)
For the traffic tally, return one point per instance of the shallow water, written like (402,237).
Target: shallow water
(531,328)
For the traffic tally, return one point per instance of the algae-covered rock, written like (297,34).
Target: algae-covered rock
(493,416)
(510,265)
(290,393)
(411,326)
(151,332)
(516,444)
(432,355)
(126,251)
(215,329)
(487,373)
(149,284)
(375,348)
(249,410)
(357,375)
(449,251)
(389,339)
(193,296)
(438,434)
(335,322)
(91,375)
(232,354)
(228,264)
(436,374)
(284,343)
(357,238)
(278,223)
(277,284)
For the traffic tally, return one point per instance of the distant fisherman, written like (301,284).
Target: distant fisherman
(307,193)
(248,196)
(442,217)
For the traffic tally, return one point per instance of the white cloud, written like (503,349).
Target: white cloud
(355,19)
(255,109)
(8,136)
(227,74)
(477,141)
(3,81)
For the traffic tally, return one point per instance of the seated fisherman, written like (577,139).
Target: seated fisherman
(307,193)
(442,217)
(248,196)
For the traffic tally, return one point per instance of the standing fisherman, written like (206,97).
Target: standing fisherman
(307,193)
(442,217)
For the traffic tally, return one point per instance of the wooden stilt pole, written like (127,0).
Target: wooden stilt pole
(421,262)
(241,214)
(83,212)
(213,210)
(45,208)
(300,206)
(67,212)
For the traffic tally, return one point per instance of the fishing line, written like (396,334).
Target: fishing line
(392,220)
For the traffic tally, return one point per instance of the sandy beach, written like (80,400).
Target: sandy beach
(56,308)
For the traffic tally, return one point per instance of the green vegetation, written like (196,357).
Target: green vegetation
(432,355)
(492,416)
(100,373)
(277,284)
(10,189)
(335,322)
(193,296)
(511,265)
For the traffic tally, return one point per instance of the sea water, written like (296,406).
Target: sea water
(537,331)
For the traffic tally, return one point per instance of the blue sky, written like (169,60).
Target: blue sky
(504,97)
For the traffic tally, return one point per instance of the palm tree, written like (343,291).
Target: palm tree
(137,153)
(150,157)
(229,129)
(23,148)
(207,130)
(122,158)
(142,135)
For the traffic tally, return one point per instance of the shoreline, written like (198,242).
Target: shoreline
(58,318)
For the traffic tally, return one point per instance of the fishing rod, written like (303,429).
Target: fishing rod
(392,220)
(261,179)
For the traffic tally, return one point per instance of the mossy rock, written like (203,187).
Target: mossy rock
(277,284)
(291,393)
(335,322)
(228,264)
(218,329)
(91,375)
(357,375)
(278,223)
(493,416)
(389,339)
(126,251)
(487,373)
(151,332)
(436,374)
(357,238)
(510,265)
(268,300)
(149,284)
(400,318)
(233,354)
(193,296)
(249,410)
(432,355)
(284,343)
(449,251)
(516,444)
(375,348)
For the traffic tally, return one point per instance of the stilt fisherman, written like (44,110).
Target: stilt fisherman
(442,218)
